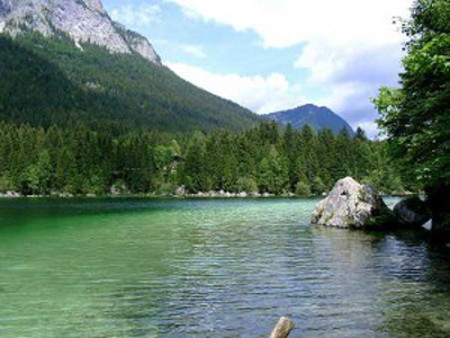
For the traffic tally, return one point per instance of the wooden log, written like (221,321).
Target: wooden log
(283,328)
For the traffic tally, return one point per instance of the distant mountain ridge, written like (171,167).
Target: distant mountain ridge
(309,114)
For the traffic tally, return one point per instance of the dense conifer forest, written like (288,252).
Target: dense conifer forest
(84,160)
(49,81)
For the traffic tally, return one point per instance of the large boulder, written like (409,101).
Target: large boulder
(352,205)
(412,211)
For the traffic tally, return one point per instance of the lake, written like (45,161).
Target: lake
(210,268)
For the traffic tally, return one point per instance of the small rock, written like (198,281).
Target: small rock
(181,191)
(119,189)
(11,194)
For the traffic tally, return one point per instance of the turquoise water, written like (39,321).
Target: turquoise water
(210,268)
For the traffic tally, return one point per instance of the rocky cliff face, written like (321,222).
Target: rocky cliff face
(82,20)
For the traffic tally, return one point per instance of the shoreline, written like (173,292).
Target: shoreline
(200,195)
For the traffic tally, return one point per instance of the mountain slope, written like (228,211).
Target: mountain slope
(317,117)
(54,76)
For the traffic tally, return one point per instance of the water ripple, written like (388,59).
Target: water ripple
(165,268)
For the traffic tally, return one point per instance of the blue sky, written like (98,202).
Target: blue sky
(270,55)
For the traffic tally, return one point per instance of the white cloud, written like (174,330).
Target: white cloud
(350,47)
(259,94)
(284,23)
(136,16)
(194,50)
(370,128)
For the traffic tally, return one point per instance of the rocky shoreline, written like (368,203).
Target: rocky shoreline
(181,192)
(210,194)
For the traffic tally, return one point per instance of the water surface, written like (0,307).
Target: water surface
(210,268)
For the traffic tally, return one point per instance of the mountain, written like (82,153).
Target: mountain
(82,21)
(317,117)
(66,61)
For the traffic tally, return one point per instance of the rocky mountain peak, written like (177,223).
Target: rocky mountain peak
(83,20)
(95,5)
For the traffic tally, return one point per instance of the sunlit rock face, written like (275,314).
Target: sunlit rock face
(95,5)
(5,7)
(138,43)
(83,21)
(352,205)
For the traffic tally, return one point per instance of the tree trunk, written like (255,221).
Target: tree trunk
(439,203)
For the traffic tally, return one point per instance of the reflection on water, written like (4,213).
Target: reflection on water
(135,267)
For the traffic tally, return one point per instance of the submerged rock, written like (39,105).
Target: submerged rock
(412,211)
(352,205)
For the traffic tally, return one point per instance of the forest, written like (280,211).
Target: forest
(87,160)
(415,116)
(48,81)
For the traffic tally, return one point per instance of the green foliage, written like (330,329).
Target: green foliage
(416,116)
(318,186)
(47,81)
(247,184)
(37,176)
(272,173)
(385,174)
(91,122)
(166,188)
(86,160)
(6,183)
(303,189)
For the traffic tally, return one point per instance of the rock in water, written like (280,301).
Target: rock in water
(412,211)
(352,205)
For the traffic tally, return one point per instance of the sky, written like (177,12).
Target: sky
(272,55)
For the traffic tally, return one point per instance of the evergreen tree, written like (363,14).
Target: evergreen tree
(416,116)
(93,160)
(303,189)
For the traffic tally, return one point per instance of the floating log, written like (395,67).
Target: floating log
(283,328)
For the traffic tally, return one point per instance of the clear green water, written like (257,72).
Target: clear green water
(210,268)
